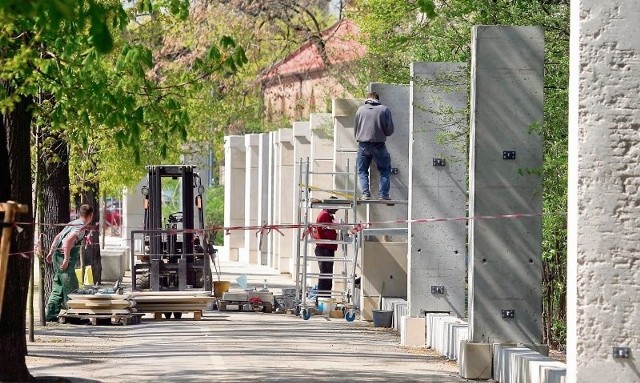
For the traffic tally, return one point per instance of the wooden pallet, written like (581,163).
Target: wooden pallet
(100,319)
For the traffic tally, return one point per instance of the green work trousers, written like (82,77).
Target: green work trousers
(64,282)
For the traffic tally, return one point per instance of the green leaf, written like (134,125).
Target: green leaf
(101,36)
(214,53)
(427,7)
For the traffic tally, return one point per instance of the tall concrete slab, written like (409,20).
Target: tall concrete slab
(604,193)
(301,153)
(437,188)
(397,98)
(284,199)
(345,145)
(249,253)
(264,178)
(321,136)
(234,192)
(272,189)
(505,254)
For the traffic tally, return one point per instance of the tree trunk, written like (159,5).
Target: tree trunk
(16,156)
(92,257)
(55,193)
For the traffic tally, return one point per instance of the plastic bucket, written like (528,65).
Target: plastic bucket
(220,287)
(382,318)
(326,305)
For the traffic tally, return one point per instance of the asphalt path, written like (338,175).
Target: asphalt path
(234,347)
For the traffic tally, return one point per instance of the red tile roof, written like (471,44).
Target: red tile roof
(340,45)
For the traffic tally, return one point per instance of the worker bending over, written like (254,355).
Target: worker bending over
(65,253)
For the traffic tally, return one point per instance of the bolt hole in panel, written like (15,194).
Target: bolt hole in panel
(509,155)
(508,314)
(622,352)
(439,162)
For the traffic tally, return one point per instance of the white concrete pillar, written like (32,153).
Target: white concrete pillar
(234,192)
(272,190)
(264,178)
(321,130)
(604,193)
(249,252)
(284,200)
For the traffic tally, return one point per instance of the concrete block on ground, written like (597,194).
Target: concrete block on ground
(516,364)
(112,264)
(475,360)
(430,319)
(413,332)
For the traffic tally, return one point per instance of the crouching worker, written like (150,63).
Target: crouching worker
(65,253)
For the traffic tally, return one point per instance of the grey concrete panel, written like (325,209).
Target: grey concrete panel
(251,197)
(505,254)
(284,199)
(437,250)
(604,192)
(345,145)
(321,127)
(271,202)
(264,173)
(397,98)
(234,193)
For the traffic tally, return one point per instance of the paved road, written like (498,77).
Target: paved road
(234,347)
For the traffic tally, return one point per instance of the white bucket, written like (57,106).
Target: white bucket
(326,305)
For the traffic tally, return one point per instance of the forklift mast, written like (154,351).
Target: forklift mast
(174,257)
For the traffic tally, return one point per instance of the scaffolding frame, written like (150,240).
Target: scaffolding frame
(347,242)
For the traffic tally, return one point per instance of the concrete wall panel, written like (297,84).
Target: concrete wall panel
(437,250)
(234,192)
(604,187)
(505,254)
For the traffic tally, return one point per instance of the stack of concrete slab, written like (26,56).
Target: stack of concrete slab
(514,364)
(98,307)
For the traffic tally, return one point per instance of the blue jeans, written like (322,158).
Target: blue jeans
(376,151)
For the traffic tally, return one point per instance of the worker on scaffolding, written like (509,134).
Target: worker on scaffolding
(324,250)
(65,253)
(373,124)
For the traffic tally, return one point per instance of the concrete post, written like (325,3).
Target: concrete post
(264,172)
(272,252)
(437,189)
(234,179)
(345,145)
(284,199)
(321,130)
(396,97)
(603,342)
(249,252)
(505,254)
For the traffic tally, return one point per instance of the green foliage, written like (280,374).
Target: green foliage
(214,212)
(397,32)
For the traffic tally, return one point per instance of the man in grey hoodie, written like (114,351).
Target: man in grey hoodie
(373,125)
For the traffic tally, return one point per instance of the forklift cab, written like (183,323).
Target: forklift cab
(174,254)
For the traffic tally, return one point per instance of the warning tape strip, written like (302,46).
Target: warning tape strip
(353,228)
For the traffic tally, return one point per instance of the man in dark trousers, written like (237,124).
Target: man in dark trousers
(373,124)
(325,250)
(65,253)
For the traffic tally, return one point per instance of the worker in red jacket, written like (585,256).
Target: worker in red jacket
(325,250)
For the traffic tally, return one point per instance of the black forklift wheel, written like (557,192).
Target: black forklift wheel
(167,315)
(177,315)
